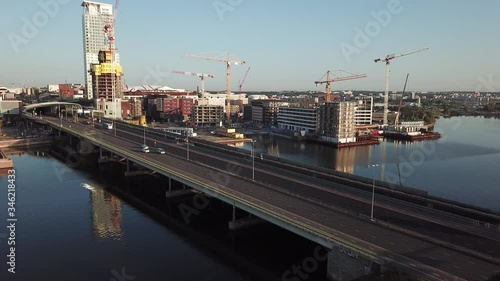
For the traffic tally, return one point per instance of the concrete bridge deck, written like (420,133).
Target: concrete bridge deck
(310,217)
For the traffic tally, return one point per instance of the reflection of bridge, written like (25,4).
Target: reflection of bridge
(421,241)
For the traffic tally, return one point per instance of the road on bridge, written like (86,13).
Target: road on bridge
(319,203)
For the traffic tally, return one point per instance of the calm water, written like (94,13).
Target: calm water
(72,227)
(462,165)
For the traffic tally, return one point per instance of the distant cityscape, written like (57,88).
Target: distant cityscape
(336,117)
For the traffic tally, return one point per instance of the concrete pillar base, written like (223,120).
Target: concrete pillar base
(244,223)
(178,193)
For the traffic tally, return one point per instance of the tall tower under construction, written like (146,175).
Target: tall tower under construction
(96,16)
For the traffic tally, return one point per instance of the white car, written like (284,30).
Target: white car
(145,149)
(160,150)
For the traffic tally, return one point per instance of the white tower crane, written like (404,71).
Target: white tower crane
(387,59)
(228,62)
(201,75)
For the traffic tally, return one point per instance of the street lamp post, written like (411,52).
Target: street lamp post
(187,145)
(373,190)
(253,160)
(144,136)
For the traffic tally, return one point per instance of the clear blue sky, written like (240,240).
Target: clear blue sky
(287,44)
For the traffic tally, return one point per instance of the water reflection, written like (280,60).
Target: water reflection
(106,213)
(450,167)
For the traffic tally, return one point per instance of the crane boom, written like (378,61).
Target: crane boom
(396,121)
(228,62)
(387,59)
(243,81)
(393,56)
(201,75)
(328,81)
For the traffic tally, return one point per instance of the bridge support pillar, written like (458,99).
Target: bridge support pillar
(234,212)
(128,166)
(344,265)
(100,151)
(237,224)
(169,183)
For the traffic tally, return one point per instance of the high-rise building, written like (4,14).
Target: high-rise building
(337,122)
(95,18)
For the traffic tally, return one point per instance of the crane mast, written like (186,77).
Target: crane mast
(329,80)
(228,62)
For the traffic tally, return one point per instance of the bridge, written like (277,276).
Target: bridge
(332,211)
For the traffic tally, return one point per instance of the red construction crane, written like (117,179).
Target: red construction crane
(201,75)
(328,82)
(240,84)
(387,61)
(228,62)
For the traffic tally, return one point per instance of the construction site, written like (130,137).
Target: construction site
(338,122)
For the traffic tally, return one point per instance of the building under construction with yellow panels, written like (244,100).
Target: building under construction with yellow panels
(107,85)
(106,78)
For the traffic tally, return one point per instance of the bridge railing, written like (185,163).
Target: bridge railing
(355,178)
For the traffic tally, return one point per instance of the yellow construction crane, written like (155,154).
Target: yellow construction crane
(228,62)
(329,80)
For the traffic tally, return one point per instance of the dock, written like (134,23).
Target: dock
(5,162)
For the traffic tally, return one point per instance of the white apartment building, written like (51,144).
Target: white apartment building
(363,112)
(95,16)
(299,119)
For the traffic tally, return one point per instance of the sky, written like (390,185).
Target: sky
(287,44)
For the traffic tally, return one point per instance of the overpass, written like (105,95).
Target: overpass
(425,243)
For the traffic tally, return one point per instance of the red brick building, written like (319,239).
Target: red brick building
(66,91)
(177,106)
(126,109)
